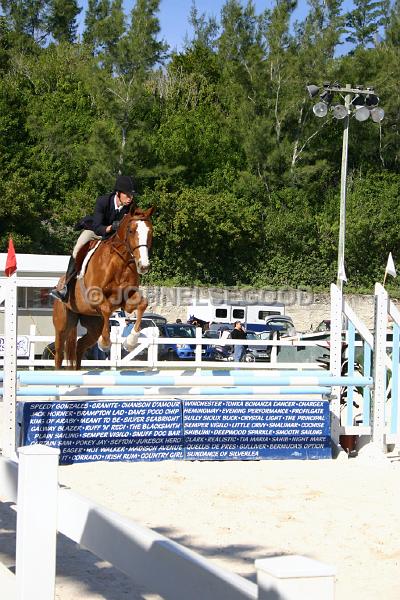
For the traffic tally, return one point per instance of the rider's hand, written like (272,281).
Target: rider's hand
(114,226)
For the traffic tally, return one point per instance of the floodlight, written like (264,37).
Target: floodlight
(326,97)
(358,100)
(371,100)
(362,113)
(320,109)
(377,114)
(340,111)
(313,90)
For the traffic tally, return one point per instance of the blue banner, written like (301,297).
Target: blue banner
(179,429)
(256,429)
(107,430)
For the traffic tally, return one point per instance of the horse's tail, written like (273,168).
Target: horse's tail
(70,347)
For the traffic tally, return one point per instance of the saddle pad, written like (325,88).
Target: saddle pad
(86,260)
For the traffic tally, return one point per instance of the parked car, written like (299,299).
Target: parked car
(157,318)
(149,319)
(172,351)
(147,327)
(282,324)
(225,352)
(260,353)
(325,325)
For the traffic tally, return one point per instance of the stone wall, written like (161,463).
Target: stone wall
(307,309)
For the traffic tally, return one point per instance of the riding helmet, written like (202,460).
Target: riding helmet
(124,184)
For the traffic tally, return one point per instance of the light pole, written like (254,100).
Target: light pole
(362,103)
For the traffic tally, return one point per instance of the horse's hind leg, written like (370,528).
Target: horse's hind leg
(94,326)
(64,320)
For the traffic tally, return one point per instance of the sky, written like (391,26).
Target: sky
(174,15)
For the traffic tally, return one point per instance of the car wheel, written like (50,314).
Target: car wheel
(49,351)
(171,355)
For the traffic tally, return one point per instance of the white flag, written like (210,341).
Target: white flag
(390,268)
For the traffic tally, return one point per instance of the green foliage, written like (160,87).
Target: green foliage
(364,21)
(221,138)
(61,20)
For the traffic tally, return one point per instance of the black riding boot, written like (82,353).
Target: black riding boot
(62,293)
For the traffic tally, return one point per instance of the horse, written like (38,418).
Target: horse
(205,325)
(110,282)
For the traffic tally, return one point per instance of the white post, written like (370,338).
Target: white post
(379,369)
(32,333)
(36,522)
(336,358)
(343,183)
(274,350)
(10,366)
(115,350)
(294,578)
(199,347)
(152,352)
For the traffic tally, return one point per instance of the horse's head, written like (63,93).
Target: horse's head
(137,233)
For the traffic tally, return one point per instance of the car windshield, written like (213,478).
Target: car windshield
(180,331)
(250,335)
(143,324)
(158,319)
(211,334)
(279,324)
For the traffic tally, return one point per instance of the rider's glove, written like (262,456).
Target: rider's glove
(114,226)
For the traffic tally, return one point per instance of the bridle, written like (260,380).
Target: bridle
(126,242)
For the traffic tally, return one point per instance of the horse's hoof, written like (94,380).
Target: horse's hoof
(131,341)
(102,346)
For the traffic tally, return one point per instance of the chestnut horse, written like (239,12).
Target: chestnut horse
(111,282)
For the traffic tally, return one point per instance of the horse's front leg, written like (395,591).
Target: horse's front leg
(140,306)
(104,341)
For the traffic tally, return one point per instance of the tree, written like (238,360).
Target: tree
(364,21)
(61,20)
(140,50)
(47,115)
(135,55)
(104,27)
(205,29)
(27,17)
(392,24)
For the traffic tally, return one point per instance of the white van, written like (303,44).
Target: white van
(252,315)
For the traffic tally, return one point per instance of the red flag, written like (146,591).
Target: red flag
(11,264)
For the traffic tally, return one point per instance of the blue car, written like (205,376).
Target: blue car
(172,351)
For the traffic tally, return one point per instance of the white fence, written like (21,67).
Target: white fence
(148,558)
(30,346)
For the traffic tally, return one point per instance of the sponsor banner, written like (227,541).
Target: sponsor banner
(106,430)
(179,429)
(256,429)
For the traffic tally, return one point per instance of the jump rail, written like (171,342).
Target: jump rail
(379,418)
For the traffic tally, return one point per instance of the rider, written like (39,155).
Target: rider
(108,212)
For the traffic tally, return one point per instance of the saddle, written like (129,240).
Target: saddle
(84,255)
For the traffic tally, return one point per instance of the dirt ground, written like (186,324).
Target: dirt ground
(342,512)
